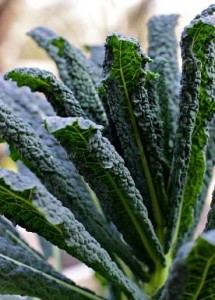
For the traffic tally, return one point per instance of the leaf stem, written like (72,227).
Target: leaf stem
(143,237)
(158,278)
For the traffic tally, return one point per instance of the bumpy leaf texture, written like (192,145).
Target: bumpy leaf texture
(33,108)
(136,117)
(16,132)
(77,72)
(197,107)
(162,49)
(210,163)
(109,237)
(24,272)
(35,208)
(105,171)
(193,272)
(57,93)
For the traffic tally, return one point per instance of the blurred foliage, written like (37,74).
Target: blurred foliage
(80,23)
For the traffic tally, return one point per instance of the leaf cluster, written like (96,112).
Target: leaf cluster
(114,163)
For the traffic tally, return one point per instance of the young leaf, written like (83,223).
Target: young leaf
(197,107)
(34,208)
(193,272)
(163,51)
(136,122)
(60,183)
(76,71)
(105,171)
(19,262)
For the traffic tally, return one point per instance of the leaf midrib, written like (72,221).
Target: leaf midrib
(203,278)
(153,196)
(50,277)
(144,238)
(27,201)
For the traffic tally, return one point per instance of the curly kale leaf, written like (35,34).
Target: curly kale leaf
(23,261)
(197,107)
(33,109)
(197,209)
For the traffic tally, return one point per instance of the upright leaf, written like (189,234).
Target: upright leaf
(196,211)
(163,51)
(76,71)
(197,107)
(44,37)
(60,183)
(105,171)
(193,272)
(136,120)
(33,207)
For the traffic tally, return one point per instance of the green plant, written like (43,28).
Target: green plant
(126,195)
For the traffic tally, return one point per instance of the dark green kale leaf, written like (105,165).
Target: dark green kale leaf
(135,115)
(57,93)
(162,50)
(192,275)
(77,72)
(34,208)
(60,183)
(104,170)
(197,107)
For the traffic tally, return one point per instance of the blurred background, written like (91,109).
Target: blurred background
(82,22)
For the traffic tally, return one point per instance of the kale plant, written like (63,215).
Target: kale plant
(114,164)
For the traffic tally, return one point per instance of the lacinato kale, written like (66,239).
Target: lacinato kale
(114,162)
